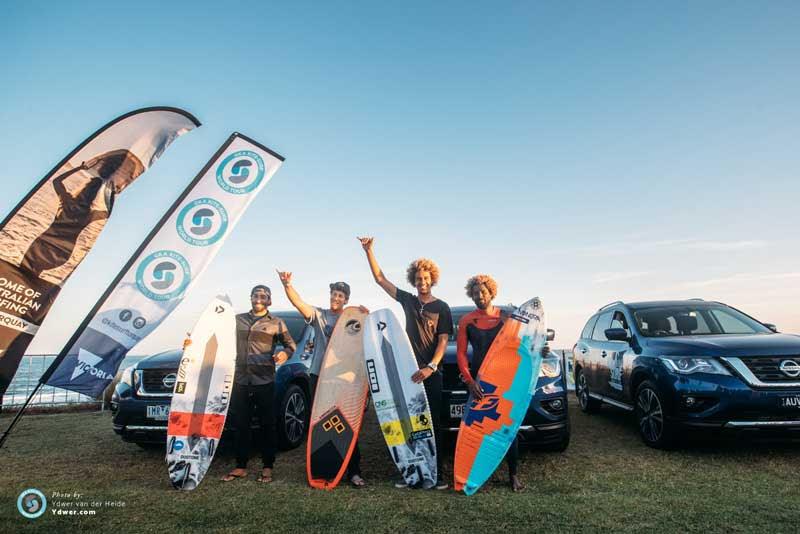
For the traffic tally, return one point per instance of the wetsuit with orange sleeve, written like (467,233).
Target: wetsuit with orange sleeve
(479,329)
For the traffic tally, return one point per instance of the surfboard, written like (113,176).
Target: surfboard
(339,402)
(401,405)
(508,377)
(201,395)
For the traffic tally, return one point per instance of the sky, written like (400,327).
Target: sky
(582,152)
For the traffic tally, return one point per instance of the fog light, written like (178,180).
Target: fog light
(557,404)
(689,401)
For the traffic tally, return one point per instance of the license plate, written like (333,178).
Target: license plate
(791,402)
(159,412)
(457,410)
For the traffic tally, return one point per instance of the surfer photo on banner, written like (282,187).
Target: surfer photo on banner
(91,201)
(323,321)
(257,335)
(479,328)
(429,324)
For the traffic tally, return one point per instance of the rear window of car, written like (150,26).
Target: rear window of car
(603,322)
(587,330)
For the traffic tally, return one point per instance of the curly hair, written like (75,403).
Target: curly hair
(422,264)
(481,280)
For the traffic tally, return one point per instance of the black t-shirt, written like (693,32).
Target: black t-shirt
(424,324)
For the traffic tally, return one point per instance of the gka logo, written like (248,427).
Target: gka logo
(202,222)
(31,503)
(240,172)
(163,275)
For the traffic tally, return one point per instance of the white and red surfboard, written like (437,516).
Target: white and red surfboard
(201,395)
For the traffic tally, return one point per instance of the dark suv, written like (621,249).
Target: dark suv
(689,364)
(546,425)
(141,399)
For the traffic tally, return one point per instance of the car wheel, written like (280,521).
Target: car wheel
(587,403)
(293,417)
(651,417)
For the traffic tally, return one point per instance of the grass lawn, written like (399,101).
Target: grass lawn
(607,480)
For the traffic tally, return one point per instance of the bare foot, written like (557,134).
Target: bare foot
(516,484)
(236,473)
(266,475)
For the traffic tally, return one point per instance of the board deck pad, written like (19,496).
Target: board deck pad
(201,395)
(508,377)
(401,405)
(339,402)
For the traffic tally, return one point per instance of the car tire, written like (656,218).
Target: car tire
(651,417)
(587,403)
(293,417)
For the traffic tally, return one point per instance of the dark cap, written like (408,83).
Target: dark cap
(341,286)
(262,287)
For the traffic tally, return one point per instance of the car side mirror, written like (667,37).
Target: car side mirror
(617,334)
(551,334)
(771,327)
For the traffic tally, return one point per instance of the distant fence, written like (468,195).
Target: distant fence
(30,370)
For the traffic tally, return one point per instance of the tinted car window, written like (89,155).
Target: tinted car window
(603,322)
(587,330)
(619,321)
(695,320)
(729,323)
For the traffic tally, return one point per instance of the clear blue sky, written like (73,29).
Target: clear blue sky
(583,152)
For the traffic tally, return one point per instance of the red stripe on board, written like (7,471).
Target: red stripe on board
(196,424)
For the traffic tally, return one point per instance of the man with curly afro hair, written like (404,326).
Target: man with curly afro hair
(429,324)
(479,328)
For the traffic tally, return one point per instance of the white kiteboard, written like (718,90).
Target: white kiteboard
(400,404)
(201,395)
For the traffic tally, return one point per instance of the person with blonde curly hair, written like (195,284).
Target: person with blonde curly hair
(479,328)
(429,324)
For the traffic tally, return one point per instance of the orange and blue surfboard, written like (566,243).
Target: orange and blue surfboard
(508,377)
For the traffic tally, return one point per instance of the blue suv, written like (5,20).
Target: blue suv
(689,364)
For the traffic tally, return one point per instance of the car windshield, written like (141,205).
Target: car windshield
(695,320)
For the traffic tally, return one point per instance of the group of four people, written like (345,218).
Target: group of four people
(429,325)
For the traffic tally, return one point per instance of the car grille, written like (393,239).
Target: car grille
(153,382)
(451,379)
(767,368)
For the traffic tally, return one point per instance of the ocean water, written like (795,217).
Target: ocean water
(31,369)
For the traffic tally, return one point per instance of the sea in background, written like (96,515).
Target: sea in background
(31,369)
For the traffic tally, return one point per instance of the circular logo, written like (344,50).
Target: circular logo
(31,503)
(169,380)
(139,323)
(790,368)
(352,327)
(240,172)
(202,222)
(125,315)
(178,445)
(163,275)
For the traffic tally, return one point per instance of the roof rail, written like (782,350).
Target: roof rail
(697,298)
(611,304)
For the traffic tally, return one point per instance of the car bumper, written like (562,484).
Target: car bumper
(543,425)
(726,402)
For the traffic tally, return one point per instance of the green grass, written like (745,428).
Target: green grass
(606,481)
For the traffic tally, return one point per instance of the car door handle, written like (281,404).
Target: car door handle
(584,351)
(604,354)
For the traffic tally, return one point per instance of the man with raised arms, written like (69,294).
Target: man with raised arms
(323,321)
(429,324)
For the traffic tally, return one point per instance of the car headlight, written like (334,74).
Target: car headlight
(551,368)
(687,365)
(127,376)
